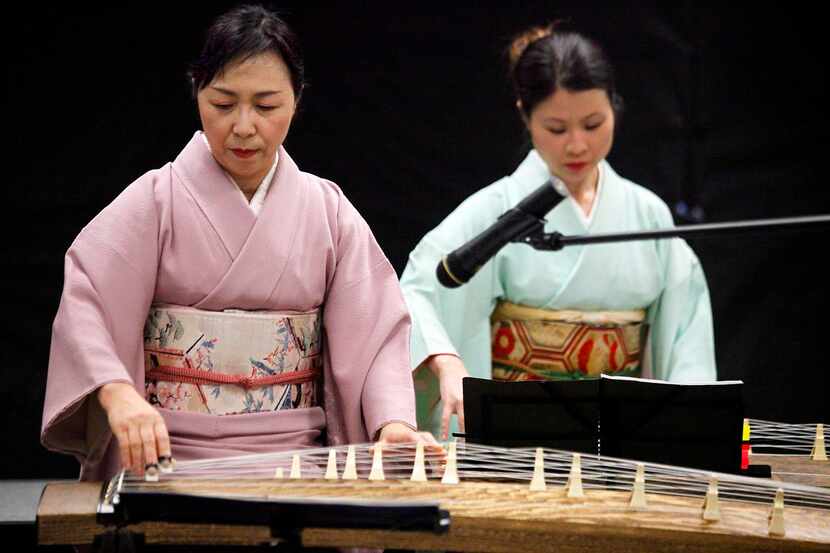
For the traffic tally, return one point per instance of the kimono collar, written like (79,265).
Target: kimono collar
(259,196)
(219,198)
(259,248)
(562,189)
(533,172)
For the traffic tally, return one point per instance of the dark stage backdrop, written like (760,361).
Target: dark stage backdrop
(411,112)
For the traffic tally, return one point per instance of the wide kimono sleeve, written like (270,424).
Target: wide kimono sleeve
(109,280)
(367,337)
(682,345)
(451,320)
(446,319)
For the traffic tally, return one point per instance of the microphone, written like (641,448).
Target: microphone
(459,266)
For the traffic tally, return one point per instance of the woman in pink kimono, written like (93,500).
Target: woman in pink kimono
(228,303)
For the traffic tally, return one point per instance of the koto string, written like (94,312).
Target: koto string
(477,462)
(770,434)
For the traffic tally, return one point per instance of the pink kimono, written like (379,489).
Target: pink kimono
(183,235)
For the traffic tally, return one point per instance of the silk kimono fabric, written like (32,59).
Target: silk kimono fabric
(662,276)
(184,235)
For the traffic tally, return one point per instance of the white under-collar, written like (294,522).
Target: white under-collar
(562,189)
(258,198)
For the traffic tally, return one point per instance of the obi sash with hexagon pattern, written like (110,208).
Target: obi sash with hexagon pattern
(232,362)
(539,344)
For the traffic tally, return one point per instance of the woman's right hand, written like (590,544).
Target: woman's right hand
(450,371)
(138,427)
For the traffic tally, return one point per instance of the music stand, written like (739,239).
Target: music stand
(693,425)
(555,414)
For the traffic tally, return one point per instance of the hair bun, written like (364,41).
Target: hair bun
(525,39)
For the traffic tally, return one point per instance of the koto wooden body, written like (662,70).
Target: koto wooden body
(799,469)
(485,517)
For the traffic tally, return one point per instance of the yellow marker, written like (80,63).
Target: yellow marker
(745,437)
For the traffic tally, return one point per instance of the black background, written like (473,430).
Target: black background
(409,112)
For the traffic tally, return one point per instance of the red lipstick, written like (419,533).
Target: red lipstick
(244,154)
(576,167)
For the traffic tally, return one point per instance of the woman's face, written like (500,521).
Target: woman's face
(573,132)
(246,112)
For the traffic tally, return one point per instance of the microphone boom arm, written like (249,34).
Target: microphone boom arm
(554,241)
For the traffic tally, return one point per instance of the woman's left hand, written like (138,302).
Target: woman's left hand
(399,433)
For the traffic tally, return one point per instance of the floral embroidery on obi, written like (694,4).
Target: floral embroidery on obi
(232,362)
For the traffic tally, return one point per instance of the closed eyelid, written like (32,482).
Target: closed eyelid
(227,105)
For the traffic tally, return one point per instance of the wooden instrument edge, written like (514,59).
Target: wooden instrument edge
(67,515)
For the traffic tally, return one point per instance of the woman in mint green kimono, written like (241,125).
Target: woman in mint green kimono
(632,308)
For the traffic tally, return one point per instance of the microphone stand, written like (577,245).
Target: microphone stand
(540,240)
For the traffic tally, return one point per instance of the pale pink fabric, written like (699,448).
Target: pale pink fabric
(183,235)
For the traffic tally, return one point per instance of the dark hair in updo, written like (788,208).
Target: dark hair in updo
(241,33)
(546,59)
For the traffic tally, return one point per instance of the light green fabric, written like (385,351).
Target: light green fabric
(662,276)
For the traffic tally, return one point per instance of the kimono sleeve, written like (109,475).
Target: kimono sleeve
(109,279)
(682,340)
(367,335)
(447,320)
(451,320)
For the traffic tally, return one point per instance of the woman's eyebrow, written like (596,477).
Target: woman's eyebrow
(256,95)
(557,120)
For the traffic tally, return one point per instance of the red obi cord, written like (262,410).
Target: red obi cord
(198,376)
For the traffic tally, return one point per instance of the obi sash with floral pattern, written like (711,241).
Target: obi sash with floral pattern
(232,362)
(540,344)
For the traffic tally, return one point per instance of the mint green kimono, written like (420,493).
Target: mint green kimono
(662,276)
